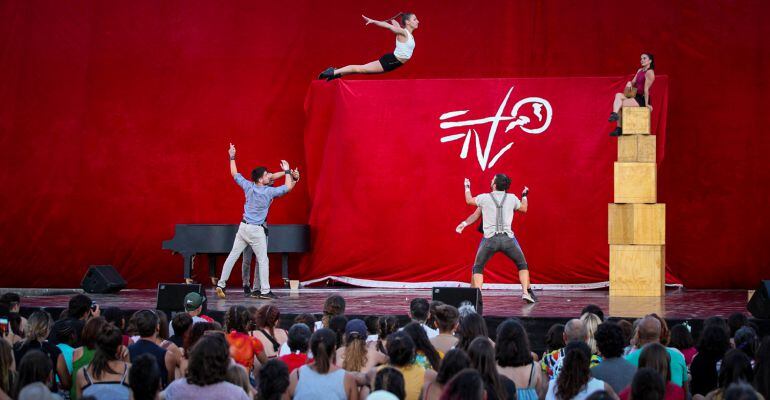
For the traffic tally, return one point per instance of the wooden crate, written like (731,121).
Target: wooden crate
(637,223)
(636,120)
(637,270)
(635,183)
(636,307)
(636,148)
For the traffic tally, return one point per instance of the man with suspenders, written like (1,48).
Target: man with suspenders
(497,209)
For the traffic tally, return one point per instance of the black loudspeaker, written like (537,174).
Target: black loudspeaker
(759,305)
(171,296)
(458,296)
(102,279)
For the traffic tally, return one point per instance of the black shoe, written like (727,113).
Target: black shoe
(246,291)
(617,132)
(532,293)
(335,76)
(613,117)
(267,296)
(327,74)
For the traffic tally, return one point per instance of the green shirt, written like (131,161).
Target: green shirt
(83,361)
(677,366)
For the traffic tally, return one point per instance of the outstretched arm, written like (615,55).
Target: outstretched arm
(471,219)
(290,182)
(469,200)
(233,168)
(393,26)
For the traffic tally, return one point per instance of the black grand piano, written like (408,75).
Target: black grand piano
(217,239)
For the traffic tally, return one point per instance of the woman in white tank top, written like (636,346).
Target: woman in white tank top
(390,61)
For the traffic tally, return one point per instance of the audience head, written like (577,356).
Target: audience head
(762,369)
(471,327)
(274,378)
(193,303)
(741,391)
(655,356)
(334,305)
(237,319)
(371,324)
(717,321)
(337,324)
(512,345)
(163,324)
(355,345)
(419,309)
(323,345)
(681,337)
(575,371)
(307,319)
(182,322)
(593,309)
(64,332)
(35,366)
(736,367)
(591,322)
(746,341)
(386,326)
(423,344)
(482,355)
(299,338)
(12,301)
(664,332)
(554,338)
(714,341)
(38,326)
(79,307)
(209,360)
(628,331)
(147,323)
(144,377)
(91,331)
(466,385)
(108,343)
(575,331)
(390,380)
(446,317)
(648,330)
(400,349)
(196,333)
(267,317)
(609,340)
(736,321)
(115,316)
(647,385)
(454,361)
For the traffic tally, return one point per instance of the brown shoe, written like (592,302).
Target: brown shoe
(220,292)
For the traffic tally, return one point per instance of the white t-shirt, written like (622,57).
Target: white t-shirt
(593,385)
(428,330)
(489,211)
(195,319)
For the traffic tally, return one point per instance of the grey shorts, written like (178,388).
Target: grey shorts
(499,243)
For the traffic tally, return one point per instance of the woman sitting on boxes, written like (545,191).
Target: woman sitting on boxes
(636,93)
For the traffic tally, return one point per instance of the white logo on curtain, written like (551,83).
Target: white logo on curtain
(523,122)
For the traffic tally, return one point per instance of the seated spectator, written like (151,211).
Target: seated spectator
(649,331)
(471,327)
(646,385)
(466,385)
(614,369)
(574,331)
(65,339)
(593,309)
(274,377)
(454,361)
(8,376)
(419,311)
(16,326)
(298,342)
(79,310)
(401,356)
(83,355)
(355,356)
(144,378)
(386,326)
(12,301)
(267,331)
(322,379)
(742,391)
(735,368)
(180,325)
(447,319)
(425,354)
(514,361)
(681,339)
(193,306)
(115,316)
(148,327)
(333,305)
(736,321)
(238,376)
(482,356)
(554,339)
(106,377)
(389,381)
(36,338)
(196,333)
(712,346)
(371,328)
(166,344)
(34,367)
(574,380)
(591,323)
(337,324)
(657,357)
(762,370)
(206,373)
(243,348)
(746,341)
(307,319)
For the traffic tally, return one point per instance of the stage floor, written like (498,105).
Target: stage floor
(678,304)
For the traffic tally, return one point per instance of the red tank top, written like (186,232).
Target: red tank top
(639,79)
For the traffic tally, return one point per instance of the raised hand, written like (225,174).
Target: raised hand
(232,151)
(460,227)
(367,19)
(285,165)
(295,174)
(467,183)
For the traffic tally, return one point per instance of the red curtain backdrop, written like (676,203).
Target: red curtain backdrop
(115,117)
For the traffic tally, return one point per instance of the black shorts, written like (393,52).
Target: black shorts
(389,62)
(640,99)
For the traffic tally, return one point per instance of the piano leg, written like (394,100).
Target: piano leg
(285,269)
(213,269)
(188,260)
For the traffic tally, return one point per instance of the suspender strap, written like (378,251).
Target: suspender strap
(499,212)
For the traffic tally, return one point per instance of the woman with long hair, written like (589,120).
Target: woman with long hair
(466,385)
(403,29)
(681,339)
(401,356)
(637,91)
(446,317)
(425,354)
(454,361)
(243,347)
(34,367)
(656,357)
(735,368)
(712,346)
(591,323)
(106,377)
(322,378)
(471,327)
(7,369)
(515,362)
(83,355)
(389,380)
(355,355)
(333,305)
(266,329)
(482,356)
(36,334)
(386,326)
(574,380)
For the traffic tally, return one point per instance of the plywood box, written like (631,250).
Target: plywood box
(637,223)
(636,120)
(637,270)
(636,148)
(635,183)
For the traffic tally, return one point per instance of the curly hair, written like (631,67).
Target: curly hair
(334,305)
(609,340)
(209,360)
(512,346)
(273,380)
(237,318)
(575,371)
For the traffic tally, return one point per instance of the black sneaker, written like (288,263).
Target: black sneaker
(532,293)
(613,117)
(617,132)
(333,77)
(267,296)
(327,74)
(246,291)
